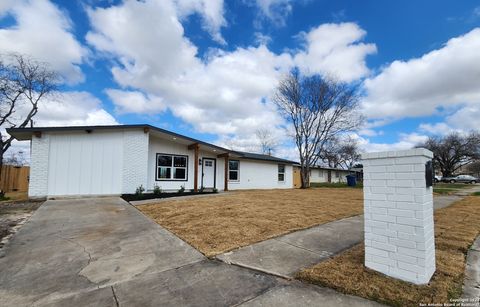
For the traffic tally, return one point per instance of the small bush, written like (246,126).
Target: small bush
(181,190)
(215,190)
(476,194)
(157,190)
(139,191)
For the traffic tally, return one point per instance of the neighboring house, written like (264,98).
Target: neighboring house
(327,174)
(320,174)
(113,160)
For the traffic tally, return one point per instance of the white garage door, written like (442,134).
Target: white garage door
(85,164)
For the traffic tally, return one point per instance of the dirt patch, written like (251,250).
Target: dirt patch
(12,216)
(218,224)
(456,227)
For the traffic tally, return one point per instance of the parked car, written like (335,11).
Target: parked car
(461,178)
(437,179)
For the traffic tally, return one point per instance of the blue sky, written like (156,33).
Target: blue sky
(208,68)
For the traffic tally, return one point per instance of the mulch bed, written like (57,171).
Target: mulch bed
(145,196)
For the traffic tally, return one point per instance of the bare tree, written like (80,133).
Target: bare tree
(15,158)
(340,153)
(23,84)
(268,143)
(453,151)
(319,109)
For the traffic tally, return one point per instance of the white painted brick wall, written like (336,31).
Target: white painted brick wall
(399,235)
(135,160)
(38,185)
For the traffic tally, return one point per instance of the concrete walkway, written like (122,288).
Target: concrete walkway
(104,252)
(471,284)
(286,255)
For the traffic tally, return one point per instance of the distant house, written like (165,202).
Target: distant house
(320,174)
(113,160)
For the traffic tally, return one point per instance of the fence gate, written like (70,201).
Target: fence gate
(14,178)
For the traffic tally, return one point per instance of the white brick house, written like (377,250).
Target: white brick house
(113,160)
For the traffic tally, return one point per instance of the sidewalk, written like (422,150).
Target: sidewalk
(286,255)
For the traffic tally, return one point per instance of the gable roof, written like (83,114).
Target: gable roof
(23,134)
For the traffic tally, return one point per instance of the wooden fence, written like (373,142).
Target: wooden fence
(14,178)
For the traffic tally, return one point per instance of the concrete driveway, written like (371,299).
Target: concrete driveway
(104,252)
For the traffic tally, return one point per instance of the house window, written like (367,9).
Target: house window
(281,172)
(233,170)
(320,173)
(171,167)
(209,163)
(337,174)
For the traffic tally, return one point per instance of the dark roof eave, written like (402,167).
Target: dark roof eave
(242,155)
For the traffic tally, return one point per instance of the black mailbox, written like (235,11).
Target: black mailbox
(429,173)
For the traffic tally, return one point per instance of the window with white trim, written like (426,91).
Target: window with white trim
(281,172)
(233,170)
(172,167)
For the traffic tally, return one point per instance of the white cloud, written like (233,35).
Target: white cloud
(212,14)
(406,141)
(262,39)
(72,109)
(336,50)
(44,32)
(369,132)
(135,102)
(442,78)
(226,93)
(274,10)
(463,120)
(223,94)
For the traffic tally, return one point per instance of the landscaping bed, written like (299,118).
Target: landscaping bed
(145,196)
(215,225)
(456,227)
(13,215)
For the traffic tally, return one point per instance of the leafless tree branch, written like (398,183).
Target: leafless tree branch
(319,109)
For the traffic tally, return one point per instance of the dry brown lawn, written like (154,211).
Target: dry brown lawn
(456,227)
(220,223)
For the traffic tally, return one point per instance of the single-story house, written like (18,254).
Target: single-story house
(319,174)
(114,160)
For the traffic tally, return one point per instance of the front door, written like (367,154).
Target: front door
(208,172)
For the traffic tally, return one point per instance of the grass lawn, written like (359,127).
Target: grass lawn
(216,224)
(449,188)
(456,227)
(333,185)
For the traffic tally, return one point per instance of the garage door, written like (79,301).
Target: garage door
(85,164)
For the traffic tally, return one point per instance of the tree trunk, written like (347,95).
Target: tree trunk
(1,168)
(304,171)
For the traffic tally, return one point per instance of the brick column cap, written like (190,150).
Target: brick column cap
(399,153)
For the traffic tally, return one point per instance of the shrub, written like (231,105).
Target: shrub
(139,191)
(181,190)
(157,190)
(215,190)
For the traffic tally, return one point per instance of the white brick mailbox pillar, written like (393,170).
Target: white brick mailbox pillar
(399,237)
